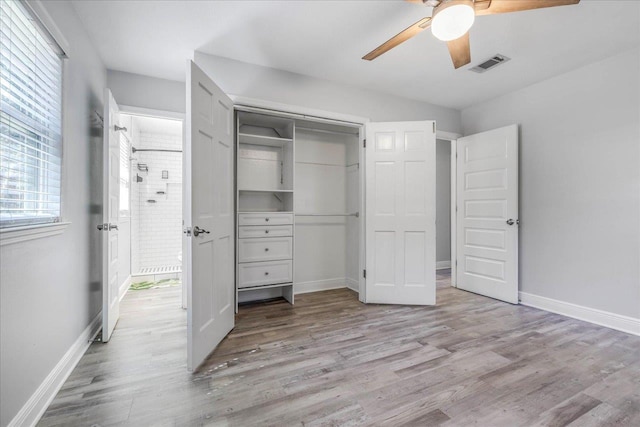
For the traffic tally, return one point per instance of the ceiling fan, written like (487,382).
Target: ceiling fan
(452,19)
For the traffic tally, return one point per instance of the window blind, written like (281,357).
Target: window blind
(30,119)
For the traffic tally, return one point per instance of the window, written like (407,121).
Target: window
(30,119)
(125,179)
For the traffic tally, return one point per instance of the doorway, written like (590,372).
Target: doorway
(151,204)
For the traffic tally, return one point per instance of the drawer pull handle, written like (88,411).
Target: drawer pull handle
(266,273)
(266,249)
(266,231)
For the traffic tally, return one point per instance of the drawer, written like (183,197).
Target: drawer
(261,249)
(265,218)
(265,273)
(249,231)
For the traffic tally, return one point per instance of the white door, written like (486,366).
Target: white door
(110,214)
(487,214)
(400,213)
(209,144)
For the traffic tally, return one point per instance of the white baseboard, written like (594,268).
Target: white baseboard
(32,411)
(618,322)
(320,285)
(124,288)
(353,284)
(441,265)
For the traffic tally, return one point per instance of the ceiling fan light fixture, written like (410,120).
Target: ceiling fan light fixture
(452,19)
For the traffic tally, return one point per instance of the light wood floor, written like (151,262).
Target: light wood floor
(333,361)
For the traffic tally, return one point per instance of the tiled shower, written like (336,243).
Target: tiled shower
(156,197)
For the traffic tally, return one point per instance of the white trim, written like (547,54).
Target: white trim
(447,136)
(32,411)
(352,284)
(124,288)
(150,112)
(9,236)
(441,265)
(618,322)
(319,285)
(295,109)
(38,8)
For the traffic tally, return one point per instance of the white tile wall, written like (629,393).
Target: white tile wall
(157,227)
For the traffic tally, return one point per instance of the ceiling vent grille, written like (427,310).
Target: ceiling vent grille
(490,63)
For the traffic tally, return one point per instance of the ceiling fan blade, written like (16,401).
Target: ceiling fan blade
(506,6)
(460,51)
(402,36)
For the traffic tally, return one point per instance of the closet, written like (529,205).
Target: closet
(298,198)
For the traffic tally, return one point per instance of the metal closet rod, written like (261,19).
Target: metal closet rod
(134,150)
(356,214)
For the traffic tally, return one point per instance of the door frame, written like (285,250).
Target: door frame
(131,110)
(321,116)
(452,137)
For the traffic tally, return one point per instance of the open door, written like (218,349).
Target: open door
(110,214)
(400,206)
(209,148)
(487,214)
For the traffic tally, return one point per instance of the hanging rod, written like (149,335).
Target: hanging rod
(332,131)
(134,149)
(356,214)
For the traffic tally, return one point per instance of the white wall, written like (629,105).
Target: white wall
(443,201)
(147,92)
(51,287)
(579,182)
(254,81)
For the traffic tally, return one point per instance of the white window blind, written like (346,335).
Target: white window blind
(30,119)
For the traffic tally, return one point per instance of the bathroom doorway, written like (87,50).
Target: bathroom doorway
(151,203)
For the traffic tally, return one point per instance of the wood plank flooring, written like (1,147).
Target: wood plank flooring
(332,361)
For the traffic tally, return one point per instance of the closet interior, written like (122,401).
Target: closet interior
(298,204)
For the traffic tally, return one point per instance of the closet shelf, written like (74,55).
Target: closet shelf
(255,190)
(271,141)
(277,285)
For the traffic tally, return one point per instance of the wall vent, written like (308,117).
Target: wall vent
(490,63)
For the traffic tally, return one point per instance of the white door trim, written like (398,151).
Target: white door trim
(452,137)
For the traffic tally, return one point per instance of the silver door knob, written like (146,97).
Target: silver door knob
(197,231)
(510,221)
(113,227)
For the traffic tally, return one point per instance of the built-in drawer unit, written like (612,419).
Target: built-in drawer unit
(264,273)
(262,218)
(249,231)
(265,249)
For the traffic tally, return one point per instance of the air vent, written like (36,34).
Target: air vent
(490,63)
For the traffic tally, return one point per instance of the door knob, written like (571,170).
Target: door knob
(197,231)
(510,221)
(113,227)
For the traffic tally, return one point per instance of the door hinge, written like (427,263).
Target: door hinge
(364,273)
(364,143)
(434,127)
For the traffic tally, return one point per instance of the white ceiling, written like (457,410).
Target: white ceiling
(157,125)
(326,39)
